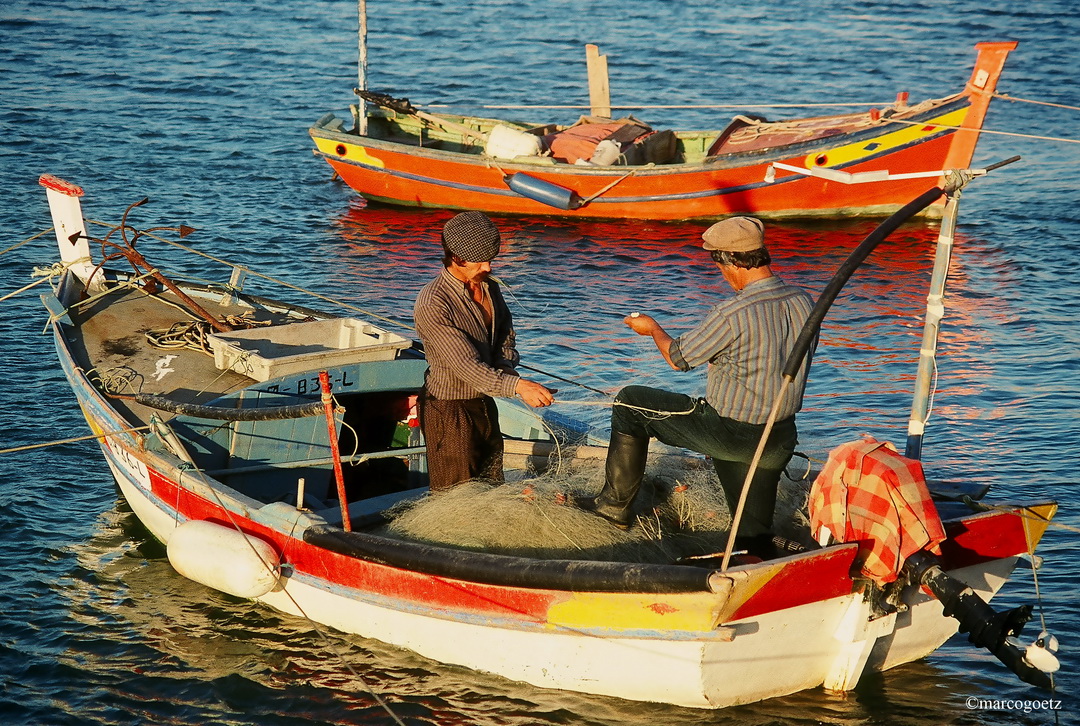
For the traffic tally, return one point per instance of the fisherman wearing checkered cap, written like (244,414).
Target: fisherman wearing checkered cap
(745,341)
(469,341)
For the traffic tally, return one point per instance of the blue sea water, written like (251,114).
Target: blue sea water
(204,107)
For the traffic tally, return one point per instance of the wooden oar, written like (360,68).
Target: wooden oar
(402,105)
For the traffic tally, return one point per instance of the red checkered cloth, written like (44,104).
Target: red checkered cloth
(869,493)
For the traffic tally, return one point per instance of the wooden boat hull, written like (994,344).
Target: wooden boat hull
(758,632)
(766,630)
(694,636)
(391,171)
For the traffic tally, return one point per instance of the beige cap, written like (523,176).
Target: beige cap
(735,234)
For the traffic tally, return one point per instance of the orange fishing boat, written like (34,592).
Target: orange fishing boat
(396,154)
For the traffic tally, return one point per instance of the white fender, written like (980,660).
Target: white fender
(224,558)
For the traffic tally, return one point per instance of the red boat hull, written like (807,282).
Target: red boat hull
(724,184)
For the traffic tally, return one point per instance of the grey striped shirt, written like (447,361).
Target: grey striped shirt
(465,358)
(746,340)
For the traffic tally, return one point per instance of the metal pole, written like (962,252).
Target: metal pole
(361,104)
(935,311)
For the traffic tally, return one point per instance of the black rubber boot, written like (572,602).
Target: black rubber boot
(757,517)
(624,470)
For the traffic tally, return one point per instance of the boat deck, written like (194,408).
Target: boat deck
(114,352)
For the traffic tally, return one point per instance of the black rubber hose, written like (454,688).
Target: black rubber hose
(507,570)
(222,413)
(856,258)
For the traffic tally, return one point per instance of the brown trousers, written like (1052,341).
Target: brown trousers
(463,440)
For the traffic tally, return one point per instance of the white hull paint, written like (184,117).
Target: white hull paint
(774,654)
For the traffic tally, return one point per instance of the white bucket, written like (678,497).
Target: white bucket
(506,143)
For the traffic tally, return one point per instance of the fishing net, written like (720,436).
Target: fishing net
(680,512)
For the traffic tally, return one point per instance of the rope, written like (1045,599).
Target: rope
(131,282)
(314,626)
(982,131)
(1038,598)
(1007,97)
(521,107)
(28,239)
(46,274)
(73,440)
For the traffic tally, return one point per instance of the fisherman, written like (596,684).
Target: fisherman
(468,337)
(746,341)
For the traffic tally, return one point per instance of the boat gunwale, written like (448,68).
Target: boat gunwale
(718,162)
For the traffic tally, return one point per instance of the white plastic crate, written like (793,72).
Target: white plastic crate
(278,350)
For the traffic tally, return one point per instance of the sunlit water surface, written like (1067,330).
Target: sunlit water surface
(204,108)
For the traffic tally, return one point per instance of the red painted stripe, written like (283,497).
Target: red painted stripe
(57,184)
(422,590)
(982,538)
(805,580)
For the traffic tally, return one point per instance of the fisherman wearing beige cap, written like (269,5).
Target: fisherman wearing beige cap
(746,341)
(469,340)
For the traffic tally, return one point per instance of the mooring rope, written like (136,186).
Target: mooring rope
(45,273)
(73,440)
(1007,97)
(17,245)
(981,131)
(327,643)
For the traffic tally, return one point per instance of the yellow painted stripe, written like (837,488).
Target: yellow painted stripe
(637,611)
(673,612)
(91,422)
(886,142)
(1034,527)
(353,152)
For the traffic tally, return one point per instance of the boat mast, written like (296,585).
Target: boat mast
(935,311)
(361,74)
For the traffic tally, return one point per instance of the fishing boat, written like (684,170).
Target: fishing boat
(268,444)
(599,167)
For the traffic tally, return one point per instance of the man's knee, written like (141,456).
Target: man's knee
(627,411)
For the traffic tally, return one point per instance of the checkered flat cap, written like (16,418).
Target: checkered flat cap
(472,236)
(735,234)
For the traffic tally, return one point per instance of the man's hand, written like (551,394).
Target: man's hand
(641,323)
(534,394)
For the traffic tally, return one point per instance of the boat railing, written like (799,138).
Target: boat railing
(321,461)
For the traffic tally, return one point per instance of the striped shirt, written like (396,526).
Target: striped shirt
(746,340)
(466,359)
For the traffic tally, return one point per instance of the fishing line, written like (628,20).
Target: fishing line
(332,300)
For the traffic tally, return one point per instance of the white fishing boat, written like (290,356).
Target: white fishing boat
(270,451)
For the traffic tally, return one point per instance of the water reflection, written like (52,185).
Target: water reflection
(571,283)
